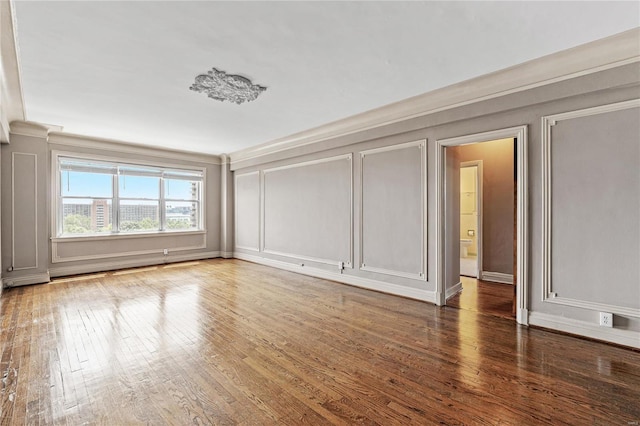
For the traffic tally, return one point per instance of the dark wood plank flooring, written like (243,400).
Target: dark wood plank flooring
(230,342)
(485,297)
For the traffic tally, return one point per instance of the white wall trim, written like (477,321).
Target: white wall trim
(70,139)
(13,211)
(55,258)
(29,128)
(39,278)
(548,294)
(587,329)
(131,236)
(522,215)
(614,51)
(62,271)
(452,291)
(263,248)
(235,210)
(496,277)
(422,274)
(302,257)
(384,287)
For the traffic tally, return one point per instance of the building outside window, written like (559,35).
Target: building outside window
(104,197)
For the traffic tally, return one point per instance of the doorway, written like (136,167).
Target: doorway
(448,228)
(471,218)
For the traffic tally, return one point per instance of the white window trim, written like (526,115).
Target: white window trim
(56,207)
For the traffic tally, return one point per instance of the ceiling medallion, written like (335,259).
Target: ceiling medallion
(222,87)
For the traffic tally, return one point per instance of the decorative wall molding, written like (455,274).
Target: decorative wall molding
(30,128)
(452,291)
(349,262)
(381,286)
(422,274)
(81,141)
(548,294)
(26,279)
(496,277)
(611,52)
(13,211)
(222,87)
(583,328)
(62,271)
(235,211)
(522,216)
(55,257)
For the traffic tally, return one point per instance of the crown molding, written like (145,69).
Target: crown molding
(12,99)
(31,128)
(71,139)
(607,53)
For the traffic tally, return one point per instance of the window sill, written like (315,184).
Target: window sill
(104,237)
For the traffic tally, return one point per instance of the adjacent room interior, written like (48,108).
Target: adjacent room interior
(319,212)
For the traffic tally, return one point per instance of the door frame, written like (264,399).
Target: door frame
(479,213)
(518,133)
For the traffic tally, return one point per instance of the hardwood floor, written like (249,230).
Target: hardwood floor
(486,297)
(230,342)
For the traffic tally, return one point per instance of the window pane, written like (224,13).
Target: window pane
(139,187)
(181,189)
(86,216)
(182,215)
(139,215)
(84,184)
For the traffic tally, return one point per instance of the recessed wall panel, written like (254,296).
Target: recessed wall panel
(308,209)
(595,208)
(247,214)
(393,210)
(24,211)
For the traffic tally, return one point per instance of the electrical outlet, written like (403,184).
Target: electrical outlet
(606,319)
(165,252)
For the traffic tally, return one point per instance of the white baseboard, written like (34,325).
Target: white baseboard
(496,277)
(226,254)
(63,271)
(586,329)
(384,287)
(452,291)
(40,278)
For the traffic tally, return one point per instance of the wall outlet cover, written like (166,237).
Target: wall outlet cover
(606,319)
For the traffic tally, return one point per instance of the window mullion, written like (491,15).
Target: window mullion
(115,204)
(163,213)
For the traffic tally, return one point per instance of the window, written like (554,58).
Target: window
(103,197)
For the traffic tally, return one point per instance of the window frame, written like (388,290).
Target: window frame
(57,204)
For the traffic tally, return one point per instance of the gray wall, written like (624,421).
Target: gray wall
(595,208)
(23,242)
(498,201)
(523,108)
(25,201)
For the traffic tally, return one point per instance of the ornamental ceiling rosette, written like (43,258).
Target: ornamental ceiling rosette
(222,87)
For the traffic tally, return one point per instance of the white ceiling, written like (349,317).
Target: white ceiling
(122,70)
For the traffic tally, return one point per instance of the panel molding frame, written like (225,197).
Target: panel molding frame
(62,271)
(55,257)
(519,133)
(421,275)
(548,294)
(235,210)
(13,210)
(264,172)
